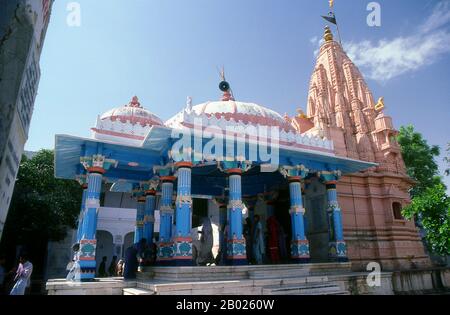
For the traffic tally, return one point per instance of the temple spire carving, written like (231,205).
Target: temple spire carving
(342,107)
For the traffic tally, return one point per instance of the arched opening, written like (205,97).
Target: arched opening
(105,247)
(397,211)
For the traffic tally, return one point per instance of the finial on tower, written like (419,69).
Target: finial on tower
(134,102)
(224,86)
(328,35)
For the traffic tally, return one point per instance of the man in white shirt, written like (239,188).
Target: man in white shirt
(23,275)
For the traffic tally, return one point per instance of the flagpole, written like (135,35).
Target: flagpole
(337,25)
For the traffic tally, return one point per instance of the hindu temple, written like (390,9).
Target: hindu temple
(333,176)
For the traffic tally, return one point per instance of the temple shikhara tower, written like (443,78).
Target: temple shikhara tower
(341,107)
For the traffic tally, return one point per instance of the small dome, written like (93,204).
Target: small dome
(132,113)
(128,124)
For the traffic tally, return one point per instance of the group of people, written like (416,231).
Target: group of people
(269,246)
(115,268)
(17,278)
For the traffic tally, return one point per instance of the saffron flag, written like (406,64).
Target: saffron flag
(331,18)
(331,3)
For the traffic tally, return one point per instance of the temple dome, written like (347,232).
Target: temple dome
(132,113)
(246,113)
(128,124)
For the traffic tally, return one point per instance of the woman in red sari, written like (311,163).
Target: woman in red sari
(273,231)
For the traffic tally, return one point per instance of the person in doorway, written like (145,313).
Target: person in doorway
(282,243)
(205,256)
(131,262)
(102,269)
(272,240)
(248,239)
(112,267)
(258,241)
(23,275)
(119,268)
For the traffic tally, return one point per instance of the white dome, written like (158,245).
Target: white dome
(247,113)
(132,113)
(128,124)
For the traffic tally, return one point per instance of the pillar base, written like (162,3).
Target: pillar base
(236,253)
(182,251)
(300,250)
(337,251)
(165,253)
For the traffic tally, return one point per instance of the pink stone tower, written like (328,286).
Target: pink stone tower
(342,108)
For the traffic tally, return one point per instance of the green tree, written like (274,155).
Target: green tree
(419,159)
(42,207)
(432,208)
(430,205)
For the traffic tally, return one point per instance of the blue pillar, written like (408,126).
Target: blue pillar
(299,243)
(88,243)
(149,215)
(182,239)
(96,166)
(82,213)
(337,246)
(139,226)
(165,245)
(236,253)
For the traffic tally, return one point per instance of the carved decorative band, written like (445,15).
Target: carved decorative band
(294,179)
(296,209)
(183,165)
(92,203)
(96,170)
(234,171)
(235,204)
(150,192)
(141,199)
(167,179)
(149,219)
(166,210)
(184,200)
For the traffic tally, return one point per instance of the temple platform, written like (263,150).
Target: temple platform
(307,279)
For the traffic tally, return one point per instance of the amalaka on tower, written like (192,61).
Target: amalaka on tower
(341,108)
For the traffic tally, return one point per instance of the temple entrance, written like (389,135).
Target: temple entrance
(281,211)
(315,203)
(105,247)
(199,210)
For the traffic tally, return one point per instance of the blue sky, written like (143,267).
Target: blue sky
(165,50)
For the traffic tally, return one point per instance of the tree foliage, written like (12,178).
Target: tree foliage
(432,208)
(430,205)
(419,159)
(42,206)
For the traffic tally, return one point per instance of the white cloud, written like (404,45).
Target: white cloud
(389,58)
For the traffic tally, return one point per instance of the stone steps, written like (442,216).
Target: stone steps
(136,291)
(308,289)
(281,286)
